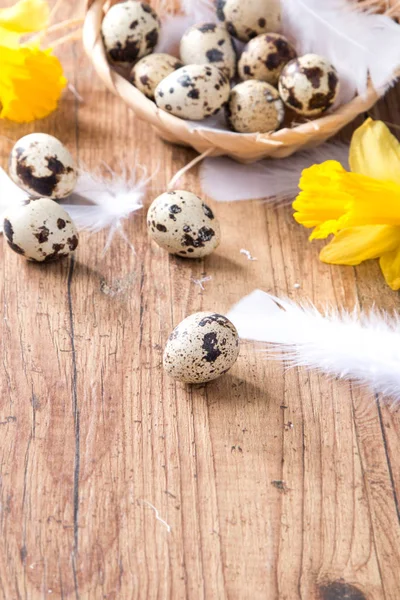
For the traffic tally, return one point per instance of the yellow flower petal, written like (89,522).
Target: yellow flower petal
(375,152)
(31,82)
(390,266)
(26,16)
(354,245)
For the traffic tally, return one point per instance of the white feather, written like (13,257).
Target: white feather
(104,202)
(200,10)
(9,194)
(353,346)
(224,180)
(357,43)
(174,26)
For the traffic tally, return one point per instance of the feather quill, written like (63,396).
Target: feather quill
(224,180)
(358,43)
(358,346)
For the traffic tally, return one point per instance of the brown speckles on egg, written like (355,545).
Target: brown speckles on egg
(194,230)
(254,106)
(246,19)
(198,91)
(264,58)
(42,165)
(309,85)
(150,70)
(209,43)
(201,348)
(130,31)
(42,234)
(33,230)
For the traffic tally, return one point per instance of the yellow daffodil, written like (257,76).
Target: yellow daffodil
(31,79)
(362,208)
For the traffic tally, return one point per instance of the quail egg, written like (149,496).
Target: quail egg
(201,348)
(245,19)
(265,56)
(42,165)
(181,223)
(209,43)
(254,107)
(150,70)
(309,85)
(193,92)
(130,30)
(40,230)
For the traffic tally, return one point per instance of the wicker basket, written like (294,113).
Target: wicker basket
(243,148)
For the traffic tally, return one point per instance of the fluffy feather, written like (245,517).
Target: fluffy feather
(224,180)
(174,26)
(355,346)
(9,194)
(103,203)
(358,43)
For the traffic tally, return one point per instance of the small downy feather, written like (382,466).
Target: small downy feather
(174,26)
(358,346)
(224,180)
(99,202)
(10,194)
(358,43)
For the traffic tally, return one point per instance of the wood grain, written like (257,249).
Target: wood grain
(118,483)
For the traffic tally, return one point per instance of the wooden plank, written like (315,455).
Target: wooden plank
(118,483)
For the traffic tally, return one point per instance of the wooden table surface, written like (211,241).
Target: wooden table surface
(118,483)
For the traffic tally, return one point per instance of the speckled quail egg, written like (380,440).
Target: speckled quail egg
(201,348)
(309,85)
(193,92)
(209,43)
(245,19)
(254,107)
(265,56)
(40,230)
(150,70)
(42,165)
(130,30)
(181,223)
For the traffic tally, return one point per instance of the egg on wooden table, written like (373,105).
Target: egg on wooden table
(254,107)
(181,223)
(265,56)
(309,85)
(150,70)
(245,19)
(130,30)
(40,164)
(193,92)
(40,230)
(209,43)
(201,348)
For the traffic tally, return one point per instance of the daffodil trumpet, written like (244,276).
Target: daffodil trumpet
(31,77)
(361,208)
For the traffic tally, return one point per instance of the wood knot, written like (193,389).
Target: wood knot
(339,590)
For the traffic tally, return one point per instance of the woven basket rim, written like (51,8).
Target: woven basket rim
(215,142)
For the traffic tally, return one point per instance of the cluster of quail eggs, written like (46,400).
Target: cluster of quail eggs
(39,229)
(257,89)
(205,345)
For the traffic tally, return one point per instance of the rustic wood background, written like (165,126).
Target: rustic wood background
(118,483)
